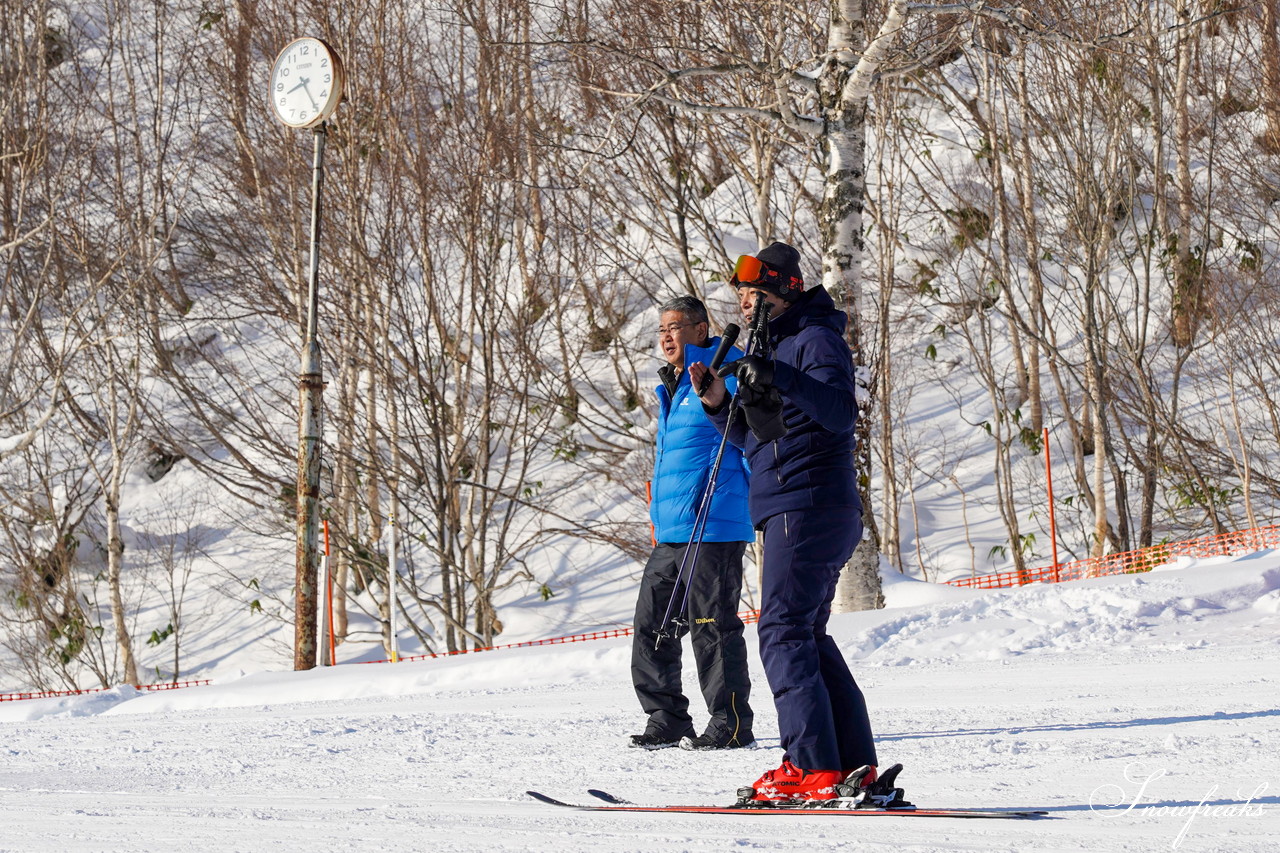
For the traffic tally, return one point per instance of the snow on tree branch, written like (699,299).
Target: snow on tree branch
(783,113)
(857,87)
(20,240)
(18,443)
(1015,19)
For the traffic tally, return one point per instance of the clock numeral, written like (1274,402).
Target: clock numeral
(302,115)
(282,101)
(324,94)
(279,87)
(284,72)
(328,77)
(305,49)
(324,63)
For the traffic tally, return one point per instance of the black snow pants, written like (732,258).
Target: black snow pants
(716,633)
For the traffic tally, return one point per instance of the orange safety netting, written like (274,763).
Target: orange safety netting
(1133,562)
(53,694)
(747,616)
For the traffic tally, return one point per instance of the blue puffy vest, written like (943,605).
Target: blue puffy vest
(686,451)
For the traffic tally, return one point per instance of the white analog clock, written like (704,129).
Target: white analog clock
(306,82)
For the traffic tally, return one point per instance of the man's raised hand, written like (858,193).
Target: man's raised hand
(712,392)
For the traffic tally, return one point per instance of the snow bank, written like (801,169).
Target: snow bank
(923,623)
(1163,684)
(1163,608)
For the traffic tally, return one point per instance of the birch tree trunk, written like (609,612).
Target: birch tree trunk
(119,435)
(844,89)
(1270,24)
(346,488)
(1099,239)
(1187,273)
(115,568)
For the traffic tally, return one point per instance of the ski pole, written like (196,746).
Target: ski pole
(756,340)
(759,319)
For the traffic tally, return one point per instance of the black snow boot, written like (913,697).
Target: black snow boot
(718,740)
(652,741)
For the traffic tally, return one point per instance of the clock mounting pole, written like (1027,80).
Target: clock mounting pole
(310,434)
(306,85)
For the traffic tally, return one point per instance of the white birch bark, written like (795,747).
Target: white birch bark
(844,91)
(1187,281)
(119,436)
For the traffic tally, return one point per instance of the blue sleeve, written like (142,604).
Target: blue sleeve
(821,384)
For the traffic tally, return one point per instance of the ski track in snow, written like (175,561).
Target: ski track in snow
(1067,698)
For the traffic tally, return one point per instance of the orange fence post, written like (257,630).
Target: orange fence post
(328,597)
(648,490)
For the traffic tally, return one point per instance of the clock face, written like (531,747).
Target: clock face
(306,83)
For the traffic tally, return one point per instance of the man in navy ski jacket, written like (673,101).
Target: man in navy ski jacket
(685,453)
(804,496)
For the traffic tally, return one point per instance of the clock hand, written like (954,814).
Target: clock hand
(307,90)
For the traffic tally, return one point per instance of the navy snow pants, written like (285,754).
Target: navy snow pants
(822,716)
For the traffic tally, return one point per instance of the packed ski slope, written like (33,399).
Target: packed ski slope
(1140,711)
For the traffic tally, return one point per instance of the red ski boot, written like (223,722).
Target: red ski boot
(790,784)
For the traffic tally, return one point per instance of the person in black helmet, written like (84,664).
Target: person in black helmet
(803,495)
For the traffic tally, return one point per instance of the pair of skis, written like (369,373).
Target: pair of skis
(617,804)
(854,799)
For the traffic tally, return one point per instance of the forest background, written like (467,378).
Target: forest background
(1051,215)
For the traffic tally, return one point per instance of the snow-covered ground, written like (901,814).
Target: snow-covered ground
(1140,711)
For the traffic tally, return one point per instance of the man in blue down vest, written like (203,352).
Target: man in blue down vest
(804,497)
(687,445)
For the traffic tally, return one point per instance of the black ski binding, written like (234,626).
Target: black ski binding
(880,794)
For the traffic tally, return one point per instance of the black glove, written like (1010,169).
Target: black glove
(761,402)
(765,417)
(752,371)
(752,396)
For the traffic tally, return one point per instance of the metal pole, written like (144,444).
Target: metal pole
(310,428)
(393,557)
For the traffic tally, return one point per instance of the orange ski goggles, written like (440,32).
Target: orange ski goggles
(753,272)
